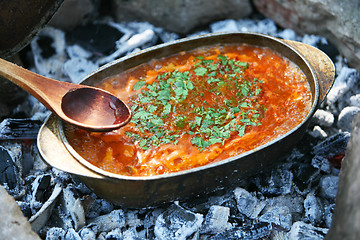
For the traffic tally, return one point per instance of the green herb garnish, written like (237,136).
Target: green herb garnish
(178,103)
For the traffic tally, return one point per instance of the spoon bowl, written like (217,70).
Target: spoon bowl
(100,108)
(84,106)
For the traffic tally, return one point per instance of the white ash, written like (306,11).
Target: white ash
(248,204)
(328,186)
(216,220)
(295,200)
(277,215)
(177,223)
(317,132)
(321,163)
(355,100)
(78,68)
(301,230)
(313,209)
(49,66)
(323,118)
(226,25)
(108,222)
(346,116)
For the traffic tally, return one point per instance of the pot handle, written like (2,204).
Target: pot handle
(321,63)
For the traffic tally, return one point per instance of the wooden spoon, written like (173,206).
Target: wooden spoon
(84,106)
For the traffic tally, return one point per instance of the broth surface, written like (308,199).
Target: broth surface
(197,107)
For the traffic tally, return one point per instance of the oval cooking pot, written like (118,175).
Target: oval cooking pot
(129,191)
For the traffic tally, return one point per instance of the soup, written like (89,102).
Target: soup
(197,107)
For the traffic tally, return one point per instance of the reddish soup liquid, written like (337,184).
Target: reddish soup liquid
(196,108)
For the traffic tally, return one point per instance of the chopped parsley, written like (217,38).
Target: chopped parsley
(210,102)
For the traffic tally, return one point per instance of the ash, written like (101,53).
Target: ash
(294,200)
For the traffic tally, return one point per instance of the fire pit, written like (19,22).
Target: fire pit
(149,191)
(294,199)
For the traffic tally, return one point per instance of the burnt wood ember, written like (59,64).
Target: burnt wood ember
(177,223)
(19,129)
(11,170)
(8,170)
(252,232)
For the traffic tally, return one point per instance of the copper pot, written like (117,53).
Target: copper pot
(154,190)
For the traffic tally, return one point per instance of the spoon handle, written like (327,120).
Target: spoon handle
(48,91)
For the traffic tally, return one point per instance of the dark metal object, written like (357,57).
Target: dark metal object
(21,20)
(154,190)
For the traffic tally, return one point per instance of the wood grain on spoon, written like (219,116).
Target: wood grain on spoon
(85,106)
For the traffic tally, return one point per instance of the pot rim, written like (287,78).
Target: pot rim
(103,173)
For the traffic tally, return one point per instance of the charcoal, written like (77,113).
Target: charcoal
(313,209)
(99,38)
(71,234)
(130,234)
(248,204)
(76,51)
(252,232)
(304,231)
(279,216)
(177,223)
(135,41)
(301,189)
(323,118)
(344,85)
(150,218)
(25,208)
(41,188)
(9,172)
(278,235)
(167,36)
(78,68)
(40,218)
(293,202)
(80,186)
(317,132)
(19,129)
(355,100)
(132,220)
(55,233)
(87,233)
(49,54)
(108,222)
(97,207)
(328,186)
(278,182)
(60,176)
(328,214)
(202,205)
(45,42)
(305,176)
(72,206)
(346,117)
(216,220)
(321,163)
(115,234)
(328,48)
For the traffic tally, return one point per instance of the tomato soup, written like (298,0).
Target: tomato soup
(197,107)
